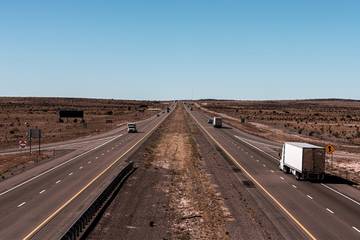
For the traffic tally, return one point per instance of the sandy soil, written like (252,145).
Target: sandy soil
(19,114)
(294,121)
(177,192)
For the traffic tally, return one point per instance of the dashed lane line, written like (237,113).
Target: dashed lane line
(330,211)
(42,191)
(282,207)
(21,204)
(324,185)
(57,166)
(309,197)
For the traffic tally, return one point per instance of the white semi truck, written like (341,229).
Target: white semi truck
(304,160)
(217,122)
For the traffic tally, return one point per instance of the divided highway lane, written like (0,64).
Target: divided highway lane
(26,206)
(320,212)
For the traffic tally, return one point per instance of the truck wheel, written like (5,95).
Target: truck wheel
(286,169)
(297,176)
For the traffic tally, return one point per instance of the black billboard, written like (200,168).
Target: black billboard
(71,114)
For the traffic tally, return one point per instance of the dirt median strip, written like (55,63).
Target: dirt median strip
(170,196)
(184,189)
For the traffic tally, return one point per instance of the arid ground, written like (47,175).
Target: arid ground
(321,122)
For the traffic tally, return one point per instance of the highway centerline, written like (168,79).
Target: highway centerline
(322,184)
(57,166)
(59,209)
(282,207)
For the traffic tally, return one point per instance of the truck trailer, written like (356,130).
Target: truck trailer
(305,161)
(217,122)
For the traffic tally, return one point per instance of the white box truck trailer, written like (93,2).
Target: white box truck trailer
(305,161)
(217,122)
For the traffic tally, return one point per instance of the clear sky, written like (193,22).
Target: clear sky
(181,49)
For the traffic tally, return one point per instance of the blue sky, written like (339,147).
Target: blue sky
(180,49)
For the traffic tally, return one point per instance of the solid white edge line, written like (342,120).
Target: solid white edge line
(341,194)
(57,166)
(242,139)
(347,197)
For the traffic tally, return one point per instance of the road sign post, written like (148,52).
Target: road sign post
(34,133)
(330,149)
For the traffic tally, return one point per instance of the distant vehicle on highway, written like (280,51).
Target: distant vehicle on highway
(217,122)
(210,121)
(168,109)
(132,128)
(304,160)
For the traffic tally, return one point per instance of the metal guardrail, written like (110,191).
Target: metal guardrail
(88,219)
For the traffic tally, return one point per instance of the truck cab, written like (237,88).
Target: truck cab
(132,128)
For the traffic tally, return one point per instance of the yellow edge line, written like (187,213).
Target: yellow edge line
(310,235)
(49,218)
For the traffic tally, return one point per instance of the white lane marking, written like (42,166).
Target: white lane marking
(252,156)
(264,165)
(21,204)
(81,167)
(58,181)
(341,194)
(282,178)
(257,160)
(42,191)
(103,154)
(294,186)
(108,151)
(329,210)
(309,196)
(246,152)
(53,168)
(112,148)
(89,162)
(272,171)
(356,229)
(71,173)
(97,158)
(241,139)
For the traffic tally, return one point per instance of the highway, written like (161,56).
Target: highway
(318,210)
(43,202)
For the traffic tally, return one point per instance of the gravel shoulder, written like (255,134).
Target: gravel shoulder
(183,188)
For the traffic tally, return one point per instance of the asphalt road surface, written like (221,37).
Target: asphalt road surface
(42,203)
(328,210)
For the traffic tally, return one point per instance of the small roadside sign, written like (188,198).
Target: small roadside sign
(22,143)
(330,149)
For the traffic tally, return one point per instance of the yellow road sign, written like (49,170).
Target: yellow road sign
(330,149)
